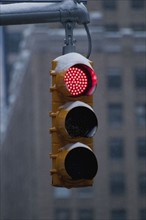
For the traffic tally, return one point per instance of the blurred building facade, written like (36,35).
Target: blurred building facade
(118,31)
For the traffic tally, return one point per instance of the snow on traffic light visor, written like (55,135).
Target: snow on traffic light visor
(80,80)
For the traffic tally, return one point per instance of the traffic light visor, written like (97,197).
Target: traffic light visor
(80,80)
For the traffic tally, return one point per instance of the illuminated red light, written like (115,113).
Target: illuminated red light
(76,81)
(80,80)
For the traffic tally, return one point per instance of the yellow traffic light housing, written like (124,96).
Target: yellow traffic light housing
(73,121)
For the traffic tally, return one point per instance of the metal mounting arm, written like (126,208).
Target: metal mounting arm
(68,12)
(69,40)
(29,13)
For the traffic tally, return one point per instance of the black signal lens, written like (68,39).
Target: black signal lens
(81,163)
(81,122)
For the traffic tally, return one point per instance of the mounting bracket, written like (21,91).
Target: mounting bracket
(69,40)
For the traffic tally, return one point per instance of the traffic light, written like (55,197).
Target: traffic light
(74,122)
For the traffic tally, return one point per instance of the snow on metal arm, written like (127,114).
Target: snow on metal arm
(29,13)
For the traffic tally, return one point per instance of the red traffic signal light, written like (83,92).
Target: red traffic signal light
(80,80)
(75,78)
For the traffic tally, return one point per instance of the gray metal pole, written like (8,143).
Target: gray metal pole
(20,1)
(29,13)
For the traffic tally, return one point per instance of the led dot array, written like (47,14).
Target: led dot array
(76,81)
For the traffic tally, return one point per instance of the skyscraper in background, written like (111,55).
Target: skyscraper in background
(118,31)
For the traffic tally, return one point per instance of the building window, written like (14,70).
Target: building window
(141,148)
(86,192)
(111,27)
(116,148)
(140,78)
(117,184)
(142,184)
(115,114)
(114,79)
(137,4)
(109,4)
(62,193)
(141,114)
(86,214)
(140,27)
(118,214)
(112,46)
(142,214)
(139,46)
(62,214)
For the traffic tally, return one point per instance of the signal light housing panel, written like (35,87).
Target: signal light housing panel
(74,122)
